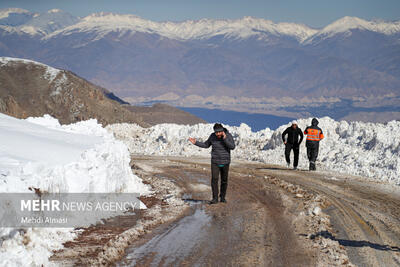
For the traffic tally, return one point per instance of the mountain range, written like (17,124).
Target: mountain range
(136,58)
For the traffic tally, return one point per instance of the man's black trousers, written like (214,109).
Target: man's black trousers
(312,152)
(296,149)
(216,170)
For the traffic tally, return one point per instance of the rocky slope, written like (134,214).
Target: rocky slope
(28,88)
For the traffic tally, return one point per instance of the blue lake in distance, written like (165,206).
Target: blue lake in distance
(234,118)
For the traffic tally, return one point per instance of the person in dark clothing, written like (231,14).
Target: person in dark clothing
(314,135)
(293,141)
(222,143)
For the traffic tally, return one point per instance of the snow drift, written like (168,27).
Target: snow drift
(357,148)
(76,158)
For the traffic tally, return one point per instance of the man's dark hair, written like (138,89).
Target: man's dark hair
(218,127)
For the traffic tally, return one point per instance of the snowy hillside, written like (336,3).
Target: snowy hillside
(40,153)
(364,149)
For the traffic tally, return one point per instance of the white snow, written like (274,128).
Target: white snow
(356,148)
(103,23)
(54,10)
(50,72)
(4,13)
(346,24)
(41,153)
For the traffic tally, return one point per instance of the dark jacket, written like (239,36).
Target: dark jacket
(221,148)
(293,136)
(316,137)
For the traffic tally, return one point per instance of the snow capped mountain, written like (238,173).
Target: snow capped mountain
(351,57)
(347,24)
(7,12)
(104,23)
(52,20)
(14,16)
(56,21)
(23,21)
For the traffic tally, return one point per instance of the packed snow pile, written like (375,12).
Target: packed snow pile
(365,149)
(78,158)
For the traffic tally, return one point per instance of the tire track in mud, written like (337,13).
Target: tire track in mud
(252,229)
(283,234)
(366,220)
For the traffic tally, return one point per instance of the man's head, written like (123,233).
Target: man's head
(294,124)
(218,130)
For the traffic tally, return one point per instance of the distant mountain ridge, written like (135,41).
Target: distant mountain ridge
(199,29)
(246,57)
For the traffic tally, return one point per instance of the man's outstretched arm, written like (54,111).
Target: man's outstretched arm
(205,144)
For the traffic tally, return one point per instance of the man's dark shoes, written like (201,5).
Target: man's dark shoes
(312,166)
(214,201)
(223,200)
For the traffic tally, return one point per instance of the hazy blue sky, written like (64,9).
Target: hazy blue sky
(314,13)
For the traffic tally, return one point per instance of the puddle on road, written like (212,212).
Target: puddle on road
(188,198)
(174,244)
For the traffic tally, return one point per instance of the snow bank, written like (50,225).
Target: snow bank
(365,149)
(77,158)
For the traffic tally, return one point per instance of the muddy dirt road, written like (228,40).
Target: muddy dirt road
(365,215)
(252,229)
(266,223)
(273,217)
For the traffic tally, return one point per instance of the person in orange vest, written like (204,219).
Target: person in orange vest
(314,135)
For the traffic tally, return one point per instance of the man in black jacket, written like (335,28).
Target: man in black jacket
(293,141)
(222,143)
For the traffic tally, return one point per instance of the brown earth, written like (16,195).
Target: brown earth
(162,113)
(26,92)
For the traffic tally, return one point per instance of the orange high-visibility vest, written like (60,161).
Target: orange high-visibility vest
(314,134)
